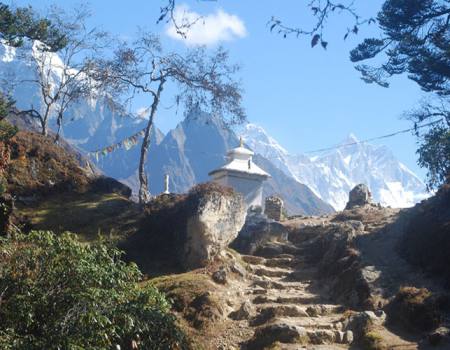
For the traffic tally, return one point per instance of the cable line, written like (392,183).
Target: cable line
(375,138)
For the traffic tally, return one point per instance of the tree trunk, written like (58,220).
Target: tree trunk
(44,120)
(44,128)
(144,194)
(59,123)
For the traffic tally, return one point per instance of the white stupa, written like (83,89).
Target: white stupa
(242,174)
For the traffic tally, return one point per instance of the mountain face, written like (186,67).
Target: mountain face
(90,124)
(187,153)
(198,145)
(332,175)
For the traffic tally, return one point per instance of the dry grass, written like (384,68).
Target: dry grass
(88,214)
(39,166)
(183,288)
(373,341)
(416,309)
(192,294)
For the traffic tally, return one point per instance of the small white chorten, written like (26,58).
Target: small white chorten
(242,174)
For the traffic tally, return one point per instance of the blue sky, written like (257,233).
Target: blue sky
(305,98)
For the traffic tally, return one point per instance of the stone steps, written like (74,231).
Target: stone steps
(289,333)
(271,272)
(305,300)
(269,313)
(282,261)
(277,249)
(270,284)
(285,312)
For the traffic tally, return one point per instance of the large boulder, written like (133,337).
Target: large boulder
(213,225)
(185,232)
(359,196)
(258,231)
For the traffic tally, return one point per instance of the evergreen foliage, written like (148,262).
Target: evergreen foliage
(19,23)
(416,41)
(57,293)
(434,154)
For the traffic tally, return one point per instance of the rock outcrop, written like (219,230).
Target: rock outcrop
(359,196)
(257,232)
(335,282)
(212,226)
(274,207)
(425,242)
(185,232)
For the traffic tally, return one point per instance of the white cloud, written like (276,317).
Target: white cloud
(208,29)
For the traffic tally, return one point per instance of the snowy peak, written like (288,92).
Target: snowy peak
(351,138)
(254,134)
(200,142)
(333,174)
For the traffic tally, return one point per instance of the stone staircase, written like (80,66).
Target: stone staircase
(288,312)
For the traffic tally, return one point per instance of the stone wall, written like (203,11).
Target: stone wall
(274,208)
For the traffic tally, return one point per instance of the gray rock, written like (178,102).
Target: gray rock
(361,321)
(243,313)
(339,337)
(318,310)
(274,207)
(220,276)
(257,231)
(359,196)
(281,332)
(321,336)
(238,269)
(214,225)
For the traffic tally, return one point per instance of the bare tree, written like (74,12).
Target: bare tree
(202,80)
(64,77)
(321,10)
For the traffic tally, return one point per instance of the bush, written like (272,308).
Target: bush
(417,309)
(7,131)
(57,293)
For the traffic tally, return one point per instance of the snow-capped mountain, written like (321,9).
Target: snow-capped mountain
(187,153)
(199,143)
(89,124)
(332,175)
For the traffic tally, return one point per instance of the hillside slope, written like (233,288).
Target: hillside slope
(56,188)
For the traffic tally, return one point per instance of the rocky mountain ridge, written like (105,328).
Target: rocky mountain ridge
(187,153)
(331,175)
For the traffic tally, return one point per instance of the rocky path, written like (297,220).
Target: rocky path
(280,305)
(288,310)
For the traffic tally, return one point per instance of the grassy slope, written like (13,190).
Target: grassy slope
(55,190)
(88,214)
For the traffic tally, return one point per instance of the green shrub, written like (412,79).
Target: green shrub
(7,131)
(57,293)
